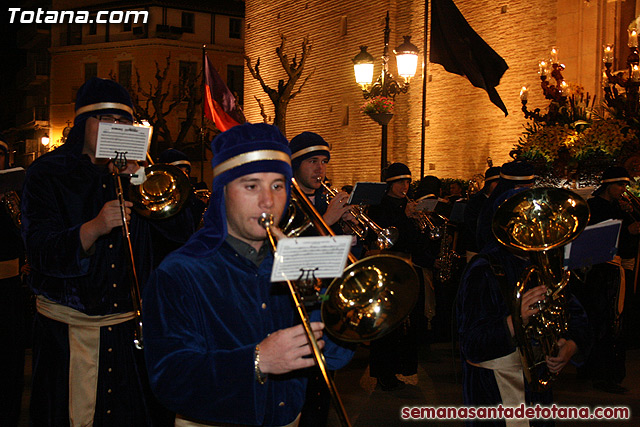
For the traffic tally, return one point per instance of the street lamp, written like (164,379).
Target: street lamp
(385,86)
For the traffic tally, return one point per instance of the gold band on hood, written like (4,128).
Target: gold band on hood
(104,106)
(309,150)
(248,157)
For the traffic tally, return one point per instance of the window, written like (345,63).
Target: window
(235,28)
(74,34)
(188,72)
(93,26)
(188,22)
(90,70)
(235,81)
(124,74)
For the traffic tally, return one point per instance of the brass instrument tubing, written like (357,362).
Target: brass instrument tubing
(133,275)
(302,312)
(358,215)
(361,217)
(423,218)
(318,222)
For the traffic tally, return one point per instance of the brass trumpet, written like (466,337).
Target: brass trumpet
(386,237)
(424,222)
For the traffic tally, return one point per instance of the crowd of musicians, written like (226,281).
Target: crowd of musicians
(222,344)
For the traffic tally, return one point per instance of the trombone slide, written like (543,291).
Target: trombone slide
(133,275)
(267,223)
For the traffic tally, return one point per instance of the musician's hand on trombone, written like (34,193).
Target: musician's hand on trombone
(111,217)
(566,350)
(337,208)
(285,350)
(108,218)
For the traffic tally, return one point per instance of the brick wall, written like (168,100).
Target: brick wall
(464,127)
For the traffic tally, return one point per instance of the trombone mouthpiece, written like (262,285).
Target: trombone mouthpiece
(265,220)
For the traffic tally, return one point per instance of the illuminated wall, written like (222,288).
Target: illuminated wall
(462,126)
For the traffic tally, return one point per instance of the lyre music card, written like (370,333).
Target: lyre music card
(129,139)
(325,256)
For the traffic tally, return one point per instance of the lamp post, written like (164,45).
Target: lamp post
(385,86)
(44,140)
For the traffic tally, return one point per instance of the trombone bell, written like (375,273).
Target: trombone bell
(372,297)
(162,194)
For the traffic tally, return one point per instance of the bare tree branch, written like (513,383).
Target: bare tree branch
(263,113)
(285,92)
(151,102)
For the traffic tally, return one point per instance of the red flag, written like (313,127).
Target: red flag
(220,104)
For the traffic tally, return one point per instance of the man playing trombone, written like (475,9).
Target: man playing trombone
(223,345)
(86,370)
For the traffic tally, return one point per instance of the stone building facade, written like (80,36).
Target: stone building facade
(175,30)
(462,127)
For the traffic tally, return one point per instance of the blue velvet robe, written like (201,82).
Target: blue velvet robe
(481,314)
(203,316)
(63,190)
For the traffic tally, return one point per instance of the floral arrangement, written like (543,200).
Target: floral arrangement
(574,140)
(378,104)
(577,151)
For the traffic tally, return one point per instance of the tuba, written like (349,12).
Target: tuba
(541,221)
